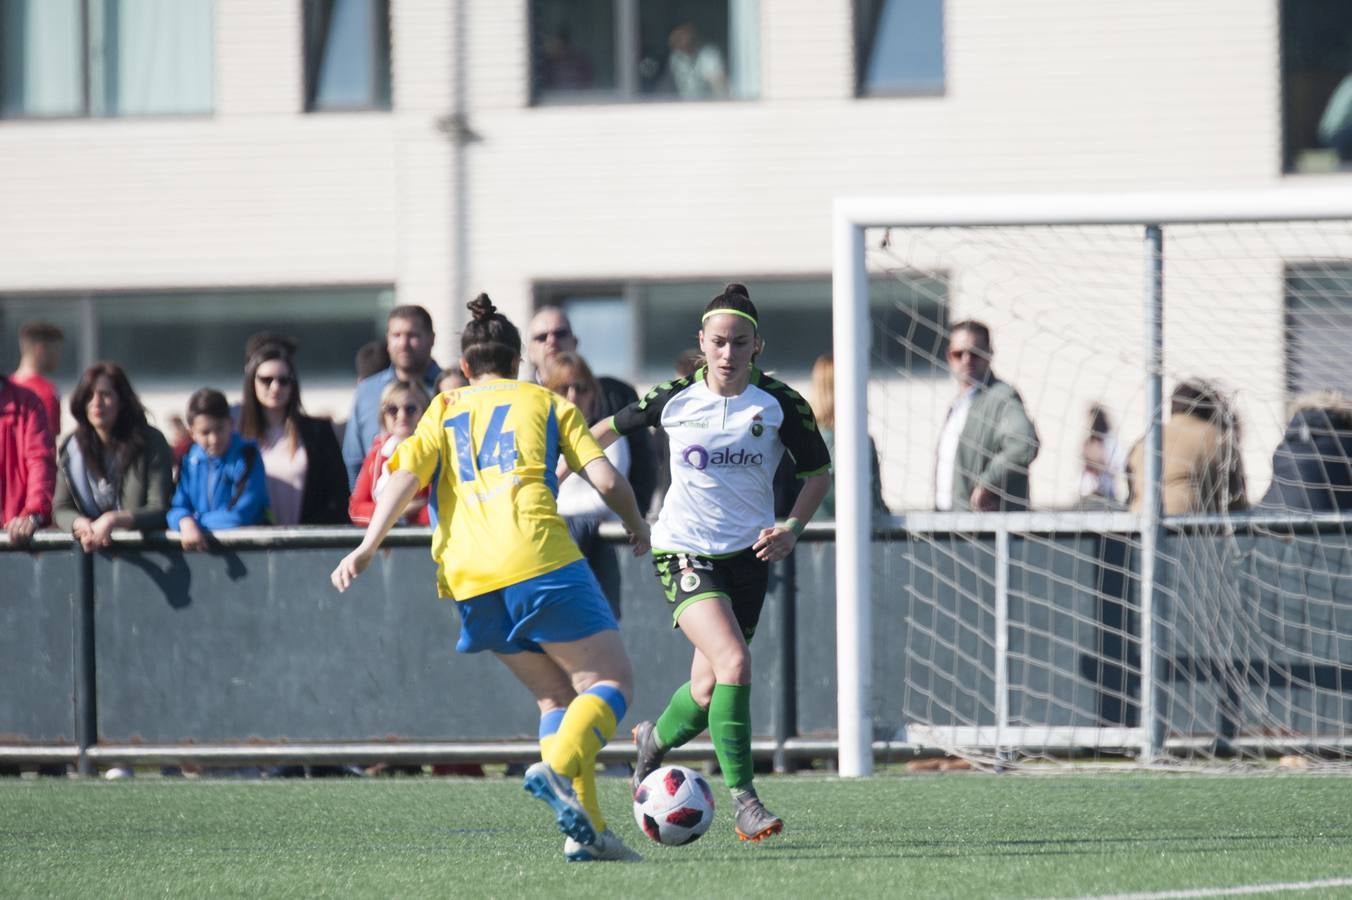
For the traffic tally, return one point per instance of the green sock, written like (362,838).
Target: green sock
(730,728)
(682,720)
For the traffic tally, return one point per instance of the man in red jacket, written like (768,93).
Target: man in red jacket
(27,462)
(39,355)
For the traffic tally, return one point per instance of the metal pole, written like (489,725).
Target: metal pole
(854,589)
(1001,637)
(1152,739)
(786,665)
(460,223)
(86,709)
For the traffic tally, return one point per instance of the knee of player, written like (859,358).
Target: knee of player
(619,679)
(733,666)
(556,701)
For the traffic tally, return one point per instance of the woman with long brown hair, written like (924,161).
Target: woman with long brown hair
(583,509)
(307,484)
(115,469)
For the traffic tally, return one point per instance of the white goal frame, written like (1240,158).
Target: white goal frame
(850,320)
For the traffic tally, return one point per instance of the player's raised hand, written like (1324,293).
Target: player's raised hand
(351,566)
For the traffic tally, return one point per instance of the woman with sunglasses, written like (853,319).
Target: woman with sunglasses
(307,484)
(402,404)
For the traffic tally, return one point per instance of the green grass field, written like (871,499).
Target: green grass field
(963,835)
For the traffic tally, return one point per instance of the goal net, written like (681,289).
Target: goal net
(1169,579)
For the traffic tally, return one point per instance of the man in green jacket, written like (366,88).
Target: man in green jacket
(988,441)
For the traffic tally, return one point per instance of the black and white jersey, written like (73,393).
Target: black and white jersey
(724,452)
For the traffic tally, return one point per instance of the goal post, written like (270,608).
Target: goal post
(989,252)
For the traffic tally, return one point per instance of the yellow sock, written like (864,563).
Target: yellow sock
(587,725)
(584,786)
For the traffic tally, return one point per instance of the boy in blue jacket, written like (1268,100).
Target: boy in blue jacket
(221,484)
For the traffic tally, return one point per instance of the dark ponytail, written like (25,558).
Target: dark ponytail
(490,343)
(734,298)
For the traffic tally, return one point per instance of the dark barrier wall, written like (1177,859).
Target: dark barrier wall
(1275,651)
(249,643)
(38,641)
(253,644)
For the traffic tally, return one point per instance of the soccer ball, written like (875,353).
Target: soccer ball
(674,805)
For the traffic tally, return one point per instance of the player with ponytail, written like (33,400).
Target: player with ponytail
(520,584)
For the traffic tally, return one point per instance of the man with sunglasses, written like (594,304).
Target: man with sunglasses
(550,334)
(409,338)
(988,441)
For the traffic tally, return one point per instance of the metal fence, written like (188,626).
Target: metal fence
(246,654)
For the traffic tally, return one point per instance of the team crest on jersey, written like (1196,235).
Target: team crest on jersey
(757,429)
(689,581)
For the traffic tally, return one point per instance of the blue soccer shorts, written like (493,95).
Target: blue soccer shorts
(566,604)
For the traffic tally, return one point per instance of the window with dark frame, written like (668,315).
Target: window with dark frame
(899,47)
(197,337)
(1318,327)
(114,58)
(908,312)
(677,50)
(1316,45)
(347,55)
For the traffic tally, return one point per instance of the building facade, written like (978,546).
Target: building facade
(175,174)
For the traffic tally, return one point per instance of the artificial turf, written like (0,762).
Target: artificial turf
(952,835)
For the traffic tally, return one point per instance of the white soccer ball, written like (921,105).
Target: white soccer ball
(674,805)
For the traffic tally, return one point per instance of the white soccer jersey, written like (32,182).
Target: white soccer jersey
(724,452)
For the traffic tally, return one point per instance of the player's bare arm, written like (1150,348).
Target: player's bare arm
(395,497)
(619,496)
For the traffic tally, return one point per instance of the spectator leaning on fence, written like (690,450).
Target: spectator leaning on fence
(1312,466)
(408,338)
(222,484)
(583,509)
(822,399)
(27,462)
(114,471)
(307,484)
(402,405)
(39,354)
(988,441)
(1201,468)
(551,333)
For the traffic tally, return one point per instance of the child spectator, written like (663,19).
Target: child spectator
(222,484)
(402,404)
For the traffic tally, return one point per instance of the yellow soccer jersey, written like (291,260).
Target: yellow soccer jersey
(492,449)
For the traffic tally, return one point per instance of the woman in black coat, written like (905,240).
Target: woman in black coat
(307,482)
